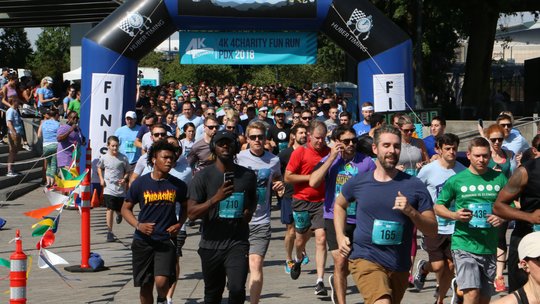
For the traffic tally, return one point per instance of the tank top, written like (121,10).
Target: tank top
(411,154)
(10,91)
(504,167)
(521,296)
(530,196)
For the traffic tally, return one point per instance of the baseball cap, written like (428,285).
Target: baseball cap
(131,114)
(263,109)
(48,79)
(223,135)
(212,94)
(529,247)
(193,99)
(279,111)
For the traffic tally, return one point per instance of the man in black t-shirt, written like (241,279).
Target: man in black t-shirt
(224,195)
(279,133)
(154,241)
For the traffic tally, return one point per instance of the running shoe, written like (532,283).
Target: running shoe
(320,290)
(110,237)
(305,260)
(333,295)
(26,147)
(118,218)
(420,276)
(12,174)
(500,286)
(456,298)
(288,266)
(296,269)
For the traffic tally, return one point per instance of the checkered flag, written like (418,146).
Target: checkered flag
(124,26)
(355,16)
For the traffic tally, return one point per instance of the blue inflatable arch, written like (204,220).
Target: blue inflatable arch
(112,49)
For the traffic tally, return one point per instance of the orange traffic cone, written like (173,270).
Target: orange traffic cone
(95,200)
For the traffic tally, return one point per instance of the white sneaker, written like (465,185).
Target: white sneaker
(27,147)
(12,174)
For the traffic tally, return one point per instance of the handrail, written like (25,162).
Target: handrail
(521,122)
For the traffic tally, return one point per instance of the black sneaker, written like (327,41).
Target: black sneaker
(118,218)
(419,276)
(296,270)
(320,290)
(333,295)
(456,298)
(110,237)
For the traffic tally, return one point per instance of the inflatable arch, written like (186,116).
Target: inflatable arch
(112,49)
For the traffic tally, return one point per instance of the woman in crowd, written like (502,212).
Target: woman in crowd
(502,160)
(68,135)
(47,131)
(46,97)
(188,138)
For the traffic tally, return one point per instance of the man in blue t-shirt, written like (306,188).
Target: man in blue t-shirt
(363,126)
(336,169)
(389,203)
(127,135)
(438,125)
(154,240)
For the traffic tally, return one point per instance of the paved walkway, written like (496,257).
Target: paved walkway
(115,285)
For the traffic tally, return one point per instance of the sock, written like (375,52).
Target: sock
(161,300)
(319,280)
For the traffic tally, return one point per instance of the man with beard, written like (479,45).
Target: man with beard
(364,126)
(308,202)
(279,133)
(299,138)
(389,203)
(224,195)
(336,169)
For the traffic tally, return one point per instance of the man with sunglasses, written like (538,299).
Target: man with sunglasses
(279,133)
(199,131)
(336,169)
(148,121)
(200,156)
(513,140)
(306,117)
(267,168)
(263,116)
(308,202)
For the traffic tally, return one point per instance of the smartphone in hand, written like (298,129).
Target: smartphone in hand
(228,176)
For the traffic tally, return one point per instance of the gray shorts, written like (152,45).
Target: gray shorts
(259,239)
(475,271)
(315,211)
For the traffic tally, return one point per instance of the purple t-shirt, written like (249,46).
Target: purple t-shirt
(338,174)
(64,158)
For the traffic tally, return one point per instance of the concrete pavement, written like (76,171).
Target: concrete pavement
(115,284)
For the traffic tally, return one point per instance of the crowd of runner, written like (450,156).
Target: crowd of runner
(366,191)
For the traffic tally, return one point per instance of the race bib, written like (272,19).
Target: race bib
(412,172)
(261,195)
(386,232)
(232,207)
(282,145)
(480,212)
(536,227)
(130,147)
(301,220)
(351,210)
(444,221)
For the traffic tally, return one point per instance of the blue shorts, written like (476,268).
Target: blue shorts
(286,211)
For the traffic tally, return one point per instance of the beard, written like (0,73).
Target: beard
(388,161)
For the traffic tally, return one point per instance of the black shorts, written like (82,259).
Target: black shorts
(153,258)
(286,211)
(331,238)
(180,241)
(113,202)
(438,248)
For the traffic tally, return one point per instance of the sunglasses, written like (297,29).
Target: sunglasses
(163,134)
(348,141)
(296,117)
(307,118)
(229,127)
(211,113)
(263,111)
(257,137)
(496,139)
(407,130)
(506,125)
(212,127)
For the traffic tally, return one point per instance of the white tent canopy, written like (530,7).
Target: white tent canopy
(73,75)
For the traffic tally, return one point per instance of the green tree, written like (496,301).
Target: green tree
(52,53)
(15,48)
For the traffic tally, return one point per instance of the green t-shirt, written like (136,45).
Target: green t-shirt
(75,105)
(470,191)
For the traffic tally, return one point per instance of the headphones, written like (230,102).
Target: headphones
(236,144)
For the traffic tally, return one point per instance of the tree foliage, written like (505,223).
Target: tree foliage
(52,53)
(15,48)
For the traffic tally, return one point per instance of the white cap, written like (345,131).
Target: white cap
(263,109)
(529,247)
(48,79)
(131,114)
